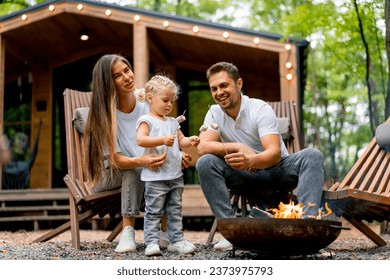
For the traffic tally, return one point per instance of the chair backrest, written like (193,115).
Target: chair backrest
(73,100)
(286,111)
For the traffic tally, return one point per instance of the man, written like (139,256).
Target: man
(242,147)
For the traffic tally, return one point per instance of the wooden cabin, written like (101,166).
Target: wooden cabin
(41,54)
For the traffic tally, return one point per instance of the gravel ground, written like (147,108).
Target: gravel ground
(350,245)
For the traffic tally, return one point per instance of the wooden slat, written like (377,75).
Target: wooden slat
(287,109)
(378,175)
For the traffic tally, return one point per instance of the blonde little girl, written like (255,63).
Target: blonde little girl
(158,133)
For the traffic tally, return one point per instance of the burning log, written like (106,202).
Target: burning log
(292,211)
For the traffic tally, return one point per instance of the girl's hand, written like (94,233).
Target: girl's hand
(169,140)
(194,140)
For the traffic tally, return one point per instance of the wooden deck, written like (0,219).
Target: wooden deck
(42,208)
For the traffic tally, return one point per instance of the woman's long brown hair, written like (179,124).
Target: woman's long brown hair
(100,131)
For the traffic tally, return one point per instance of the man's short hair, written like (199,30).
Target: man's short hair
(229,68)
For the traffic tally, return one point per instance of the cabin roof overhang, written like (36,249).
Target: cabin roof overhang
(51,38)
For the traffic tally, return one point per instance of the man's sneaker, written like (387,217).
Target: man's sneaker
(258,213)
(182,247)
(164,240)
(223,245)
(127,241)
(152,250)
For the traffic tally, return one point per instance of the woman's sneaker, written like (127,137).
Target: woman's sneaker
(127,241)
(182,247)
(152,250)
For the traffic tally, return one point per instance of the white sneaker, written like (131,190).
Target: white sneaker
(182,247)
(152,250)
(190,244)
(164,240)
(127,241)
(223,245)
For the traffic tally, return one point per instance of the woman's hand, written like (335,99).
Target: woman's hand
(185,160)
(154,161)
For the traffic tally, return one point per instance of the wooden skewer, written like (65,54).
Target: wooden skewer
(215,126)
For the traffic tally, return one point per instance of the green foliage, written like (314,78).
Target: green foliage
(8,6)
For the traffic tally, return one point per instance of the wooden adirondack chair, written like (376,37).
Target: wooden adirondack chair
(83,204)
(242,202)
(364,194)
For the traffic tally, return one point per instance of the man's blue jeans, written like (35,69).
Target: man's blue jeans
(303,170)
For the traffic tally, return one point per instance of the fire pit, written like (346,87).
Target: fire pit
(279,236)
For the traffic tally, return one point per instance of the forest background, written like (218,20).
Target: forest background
(347,89)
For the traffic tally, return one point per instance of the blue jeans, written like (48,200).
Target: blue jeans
(303,171)
(160,197)
(132,189)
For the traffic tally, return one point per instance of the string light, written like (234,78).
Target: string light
(195,29)
(51,8)
(137,18)
(289,76)
(225,34)
(108,12)
(84,35)
(80,7)
(256,41)
(166,23)
(288,65)
(24,17)
(287,47)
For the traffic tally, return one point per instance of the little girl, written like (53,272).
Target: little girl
(160,134)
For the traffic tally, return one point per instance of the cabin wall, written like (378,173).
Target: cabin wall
(42,109)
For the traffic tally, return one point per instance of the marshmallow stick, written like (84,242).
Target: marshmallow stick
(215,126)
(202,128)
(179,119)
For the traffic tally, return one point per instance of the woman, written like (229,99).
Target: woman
(112,157)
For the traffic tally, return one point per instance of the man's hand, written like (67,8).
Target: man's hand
(240,161)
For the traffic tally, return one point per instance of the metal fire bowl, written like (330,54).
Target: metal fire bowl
(279,236)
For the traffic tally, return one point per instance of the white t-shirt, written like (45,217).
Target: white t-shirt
(255,120)
(171,169)
(126,130)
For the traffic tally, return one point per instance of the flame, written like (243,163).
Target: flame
(292,211)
